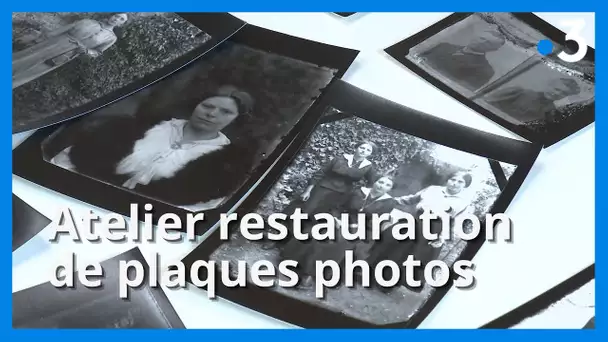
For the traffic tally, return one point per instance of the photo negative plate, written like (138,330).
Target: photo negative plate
(367,154)
(494,63)
(197,141)
(27,222)
(66,64)
(46,306)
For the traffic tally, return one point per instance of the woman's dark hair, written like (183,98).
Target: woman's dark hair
(380,176)
(239,131)
(243,99)
(392,178)
(468,179)
(370,143)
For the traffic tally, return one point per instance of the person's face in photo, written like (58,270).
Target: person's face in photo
(383,185)
(214,113)
(364,150)
(455,184)
(486,41)
(117,19)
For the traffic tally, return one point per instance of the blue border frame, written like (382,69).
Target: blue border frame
(6,330)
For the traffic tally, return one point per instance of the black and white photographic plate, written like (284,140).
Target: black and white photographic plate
(49,307)
(367,154)
(508,67)
(197,141)
(66,64)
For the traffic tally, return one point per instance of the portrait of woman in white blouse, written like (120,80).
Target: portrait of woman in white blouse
(189,163)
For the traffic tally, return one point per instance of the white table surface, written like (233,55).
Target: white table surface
(552,214)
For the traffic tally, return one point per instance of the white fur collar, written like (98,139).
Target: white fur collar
(349,159)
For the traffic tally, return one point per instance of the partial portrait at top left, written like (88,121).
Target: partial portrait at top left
(68,63)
